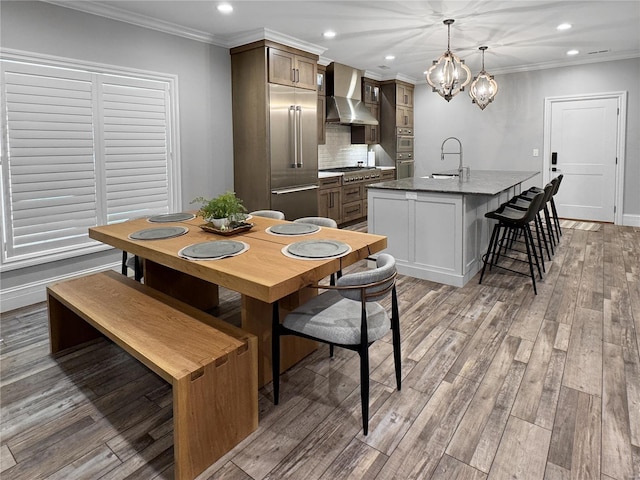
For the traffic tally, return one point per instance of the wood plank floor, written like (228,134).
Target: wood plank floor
(497,383)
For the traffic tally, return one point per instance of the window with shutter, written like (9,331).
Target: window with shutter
(81,148)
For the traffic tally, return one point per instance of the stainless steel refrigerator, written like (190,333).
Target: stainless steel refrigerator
(293,151)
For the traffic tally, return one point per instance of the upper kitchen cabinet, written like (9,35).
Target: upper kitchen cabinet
(404,94)
(292,69)
(370,91)
(322,104)
(397,104)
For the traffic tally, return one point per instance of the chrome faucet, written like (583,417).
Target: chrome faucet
(461,169)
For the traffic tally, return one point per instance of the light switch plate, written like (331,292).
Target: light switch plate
(536,152)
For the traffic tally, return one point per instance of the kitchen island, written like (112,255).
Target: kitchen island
(436,227)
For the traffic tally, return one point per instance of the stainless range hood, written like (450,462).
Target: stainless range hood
(344,100)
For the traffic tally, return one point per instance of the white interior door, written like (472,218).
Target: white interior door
(583,146)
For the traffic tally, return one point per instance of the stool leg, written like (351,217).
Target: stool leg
(528,241)
(541,238)
(556,220)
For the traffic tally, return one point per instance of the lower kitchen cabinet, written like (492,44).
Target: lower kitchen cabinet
(352,203)
(330,198)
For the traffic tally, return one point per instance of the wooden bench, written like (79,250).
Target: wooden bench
(211,365)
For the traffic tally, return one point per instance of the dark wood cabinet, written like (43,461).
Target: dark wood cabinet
(396,134)
(287,68)
(322,104)
(404,94)
(330,198)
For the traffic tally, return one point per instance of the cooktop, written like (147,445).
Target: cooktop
(347,169)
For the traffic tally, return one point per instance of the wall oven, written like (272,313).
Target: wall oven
(404,143)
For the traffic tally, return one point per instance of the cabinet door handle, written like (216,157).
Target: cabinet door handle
(406,119)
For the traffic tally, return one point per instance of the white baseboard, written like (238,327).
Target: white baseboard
(631,220)
(31,293)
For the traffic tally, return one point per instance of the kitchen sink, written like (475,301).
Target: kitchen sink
(437,176)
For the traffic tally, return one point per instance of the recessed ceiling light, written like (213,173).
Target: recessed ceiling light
(390,57)
(225,8)
(573,52)
(329,34)
(564,26)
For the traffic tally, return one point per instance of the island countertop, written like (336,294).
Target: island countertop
(480,182)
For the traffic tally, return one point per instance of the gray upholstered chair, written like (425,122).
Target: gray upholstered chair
(269,214)
(346,315)
(134,263)
(320,221)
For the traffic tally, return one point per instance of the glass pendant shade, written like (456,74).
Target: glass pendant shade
(448,75)
(483,88)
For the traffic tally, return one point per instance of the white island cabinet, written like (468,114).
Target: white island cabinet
(436,227)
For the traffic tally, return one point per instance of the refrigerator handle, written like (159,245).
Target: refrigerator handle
(284,191)
(300,136)
(293,130)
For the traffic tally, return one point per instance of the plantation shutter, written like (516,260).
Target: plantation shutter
(135,147)
(81,149)
(49,171)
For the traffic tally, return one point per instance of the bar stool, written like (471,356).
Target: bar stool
(543,233)
(556,220)
(556,181)
(513,222)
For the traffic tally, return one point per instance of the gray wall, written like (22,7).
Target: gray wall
(503,136)
(204,82)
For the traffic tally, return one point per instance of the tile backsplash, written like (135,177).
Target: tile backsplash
(338,150)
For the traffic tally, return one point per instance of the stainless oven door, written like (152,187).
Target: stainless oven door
(404,169)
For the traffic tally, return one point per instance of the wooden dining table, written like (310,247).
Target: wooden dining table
(262,274)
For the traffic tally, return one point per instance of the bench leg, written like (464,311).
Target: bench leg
(66,329)
(214,409)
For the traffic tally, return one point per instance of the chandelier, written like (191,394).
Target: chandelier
(448,75)
(484,88)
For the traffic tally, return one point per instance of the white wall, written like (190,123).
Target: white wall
(204,82)
(503,136)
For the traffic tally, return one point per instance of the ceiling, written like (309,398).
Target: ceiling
(521,34)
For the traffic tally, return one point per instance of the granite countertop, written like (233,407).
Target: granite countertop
(480,182)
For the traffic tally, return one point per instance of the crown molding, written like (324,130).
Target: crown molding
(267,34)
(115,13)
(565,63)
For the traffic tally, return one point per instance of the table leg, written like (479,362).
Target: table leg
(187,288)
(256,319)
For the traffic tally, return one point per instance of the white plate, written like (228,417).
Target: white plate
(172,217)
(214,249)
(318,248)
(293,229)
(158,233)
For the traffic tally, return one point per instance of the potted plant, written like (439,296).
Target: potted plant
(221,210)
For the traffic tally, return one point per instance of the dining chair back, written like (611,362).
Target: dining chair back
(276,214)
(319,221)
